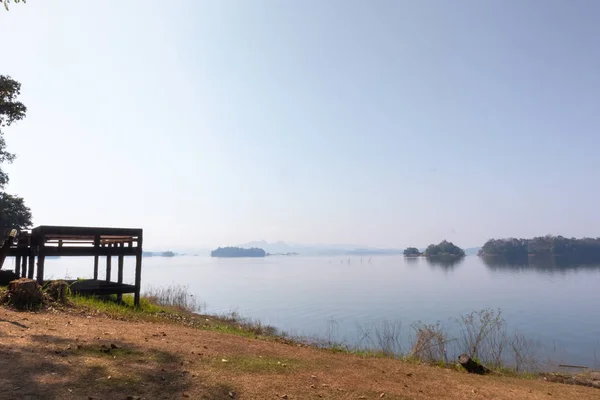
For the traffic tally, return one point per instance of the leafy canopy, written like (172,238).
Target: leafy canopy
(13,211)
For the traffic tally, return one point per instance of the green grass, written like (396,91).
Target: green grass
(149,310)
(258,364)
(108,305)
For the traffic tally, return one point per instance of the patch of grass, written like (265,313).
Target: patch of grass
(109,305)
(258,364)
(176,296)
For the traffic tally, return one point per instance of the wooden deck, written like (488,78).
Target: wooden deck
(73,241)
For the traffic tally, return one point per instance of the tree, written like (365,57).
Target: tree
(6,2)
(444,249)
(13,212)
(411,252)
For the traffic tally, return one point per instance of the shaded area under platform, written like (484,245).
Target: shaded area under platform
(100,288)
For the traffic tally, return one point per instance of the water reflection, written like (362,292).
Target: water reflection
(412,260)
(544,264)
(445,263)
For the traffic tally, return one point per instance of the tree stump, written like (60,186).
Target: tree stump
(25,293)
(58,290)
(471,365)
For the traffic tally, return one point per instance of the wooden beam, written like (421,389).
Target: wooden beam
(18,265)
(89,251)
(84,231)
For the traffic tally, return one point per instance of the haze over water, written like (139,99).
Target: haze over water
(331,297)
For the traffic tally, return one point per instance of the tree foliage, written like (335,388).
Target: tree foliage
(13,212)
(11,110)
(444,249)
(411,252)
(237,252)
(584,249)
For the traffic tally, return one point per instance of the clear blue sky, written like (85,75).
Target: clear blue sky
(385,123)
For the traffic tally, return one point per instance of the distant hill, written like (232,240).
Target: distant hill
(281,247)
(160,254)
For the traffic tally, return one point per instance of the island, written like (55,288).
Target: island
(238,252)
(576,250)
(412,252)
(444,250)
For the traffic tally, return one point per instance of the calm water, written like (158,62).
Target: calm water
(339,297)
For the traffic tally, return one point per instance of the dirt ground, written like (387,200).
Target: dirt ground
(59,355)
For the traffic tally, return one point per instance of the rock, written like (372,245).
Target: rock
(113,346)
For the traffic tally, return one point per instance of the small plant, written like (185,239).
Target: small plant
(173,296)
(430,343)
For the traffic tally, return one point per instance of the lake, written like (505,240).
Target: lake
(341,298)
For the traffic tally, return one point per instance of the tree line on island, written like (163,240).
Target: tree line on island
(573,250)
(238,252)
(444,249)
(512,249)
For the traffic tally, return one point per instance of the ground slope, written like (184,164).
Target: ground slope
(60,355)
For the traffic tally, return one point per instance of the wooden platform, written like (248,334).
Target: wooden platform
(75,241)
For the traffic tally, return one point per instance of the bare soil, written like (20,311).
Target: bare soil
(68,355)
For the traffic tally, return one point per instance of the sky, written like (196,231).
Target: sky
(387,123)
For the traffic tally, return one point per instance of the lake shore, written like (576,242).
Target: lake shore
(90,350)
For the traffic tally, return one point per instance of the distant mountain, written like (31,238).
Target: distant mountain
(281,247)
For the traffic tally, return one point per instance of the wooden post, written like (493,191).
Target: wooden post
(24,267)
(96,248)
(138,272)
(18,265)
(32,253)
(31,263)
(108,264)
(41,259)
(120,273)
